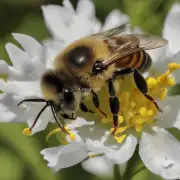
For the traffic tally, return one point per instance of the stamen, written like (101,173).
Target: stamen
(54,131)
(120,139)
(151,82)
(72,136)
(91,155)
(143,111)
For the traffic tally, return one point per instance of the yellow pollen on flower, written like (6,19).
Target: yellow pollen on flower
(27,132)
(173,66)
(137,111)
(151,82)
(163,93)
(121,138)
(91,155)
(138,127)
(143,111)
(171,81)
(72,136)
(150,112)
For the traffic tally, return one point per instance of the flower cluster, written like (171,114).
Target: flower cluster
(91,142)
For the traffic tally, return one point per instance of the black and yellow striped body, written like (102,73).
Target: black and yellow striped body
(140,60)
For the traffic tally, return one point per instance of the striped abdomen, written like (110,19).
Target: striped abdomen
(140,60)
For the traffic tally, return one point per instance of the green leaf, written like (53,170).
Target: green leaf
(28,149)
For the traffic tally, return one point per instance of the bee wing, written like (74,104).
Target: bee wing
(150,41)
(112,32)
(127,44)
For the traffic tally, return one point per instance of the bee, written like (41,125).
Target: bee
(88,64)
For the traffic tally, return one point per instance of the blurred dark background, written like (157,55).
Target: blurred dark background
(19,155)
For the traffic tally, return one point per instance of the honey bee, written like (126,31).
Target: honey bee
(89,63)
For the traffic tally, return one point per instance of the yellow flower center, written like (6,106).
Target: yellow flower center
(136,110)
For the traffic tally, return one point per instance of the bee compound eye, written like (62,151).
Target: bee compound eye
(79,56)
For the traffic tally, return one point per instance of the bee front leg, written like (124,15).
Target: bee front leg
(96,104)
(84,108)
(114,104)
(66,116)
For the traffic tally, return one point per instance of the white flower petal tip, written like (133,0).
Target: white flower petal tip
(18,57)
(29,44)
(171,28)
(98,166)
(115,18)
(124,152)
(3,67)
(56,18)
(67,4)
(160,153)
(79,122)
(65,156)
(86,8)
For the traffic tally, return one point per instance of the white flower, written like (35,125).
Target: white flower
(158,149)
(29,64)
(102,151)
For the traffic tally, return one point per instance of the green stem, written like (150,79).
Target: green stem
(131,163)
(139,170)
(117,175)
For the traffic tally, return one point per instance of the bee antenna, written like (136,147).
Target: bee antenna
(32,100)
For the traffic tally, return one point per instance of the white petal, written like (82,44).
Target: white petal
(77,138)
(76,32)
(3,67)
(171,28)
(124,152)
(171,112)
(43,120)
(160,153)
(80,122)
(9,110)
(19,58)
(67,4)
(8,88)
(98,166)
(115,18)
(51,49)
(158,56)
(95,146)
(57,19)
(29,44)
(176,59)
(86,8)
(65,156)
(97,26)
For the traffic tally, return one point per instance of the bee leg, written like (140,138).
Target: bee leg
(142,86)
(66,116)
(114,104)
(84,108)
(96,104)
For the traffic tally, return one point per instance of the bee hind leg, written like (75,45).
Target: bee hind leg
(140,83)
(114,104)
(142,86)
